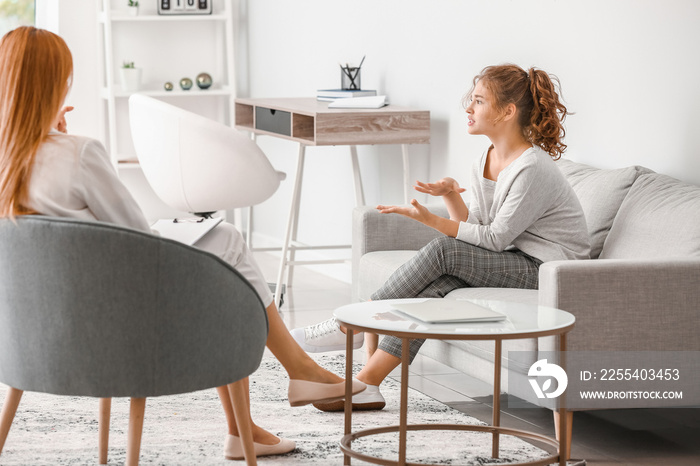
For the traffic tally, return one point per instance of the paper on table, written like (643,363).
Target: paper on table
(377,101)
(185,230)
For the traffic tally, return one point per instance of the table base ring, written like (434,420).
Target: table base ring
(345,442)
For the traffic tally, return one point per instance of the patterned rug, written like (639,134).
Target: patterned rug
(189,429)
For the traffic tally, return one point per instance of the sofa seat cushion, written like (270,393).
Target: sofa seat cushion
(499,294)
(477,357)
(600,193)
(659,218)
(376,267)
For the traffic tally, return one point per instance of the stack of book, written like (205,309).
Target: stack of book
(330,95)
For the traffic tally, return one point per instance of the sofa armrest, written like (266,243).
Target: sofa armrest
(372,231)
(627,305)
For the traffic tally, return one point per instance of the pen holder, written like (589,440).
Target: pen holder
(350,79)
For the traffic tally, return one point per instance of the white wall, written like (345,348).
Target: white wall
(76,22)
(628,70)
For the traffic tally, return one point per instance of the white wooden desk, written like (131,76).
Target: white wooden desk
(311,123)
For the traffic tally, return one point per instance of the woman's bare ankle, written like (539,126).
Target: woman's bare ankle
(264,437)
(312,372)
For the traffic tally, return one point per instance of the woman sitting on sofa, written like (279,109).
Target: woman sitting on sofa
(522,213)
(45,171)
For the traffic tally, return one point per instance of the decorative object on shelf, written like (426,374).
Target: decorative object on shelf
(131,76)
(168,86)
(133,7)
(204,81)
(350,76)
(184,7)
(186,84)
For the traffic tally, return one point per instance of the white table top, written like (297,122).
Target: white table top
(523,321)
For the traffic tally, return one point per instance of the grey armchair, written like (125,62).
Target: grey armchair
(94,309)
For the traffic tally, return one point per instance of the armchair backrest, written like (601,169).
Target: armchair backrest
(94,309)
(195,164)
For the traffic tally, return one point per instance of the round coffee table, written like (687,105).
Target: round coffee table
(523,321)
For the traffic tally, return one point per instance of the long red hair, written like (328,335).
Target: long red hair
(36,70)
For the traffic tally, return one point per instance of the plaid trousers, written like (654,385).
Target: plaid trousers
(444,265)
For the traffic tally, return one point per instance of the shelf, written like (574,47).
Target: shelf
(118,93)
(120,17)
(169,47)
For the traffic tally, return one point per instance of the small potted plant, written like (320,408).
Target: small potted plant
(133,7)
(131,76)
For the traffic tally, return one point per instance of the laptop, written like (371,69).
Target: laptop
(185,230)
(446,311)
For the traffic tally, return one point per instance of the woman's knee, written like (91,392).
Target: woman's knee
(440,245)
(224,241)
(441,251)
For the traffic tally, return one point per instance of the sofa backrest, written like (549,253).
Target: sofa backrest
(659,218)
(600,193)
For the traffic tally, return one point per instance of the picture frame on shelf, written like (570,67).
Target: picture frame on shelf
(184,7)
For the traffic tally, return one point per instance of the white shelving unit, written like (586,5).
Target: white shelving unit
(166,48)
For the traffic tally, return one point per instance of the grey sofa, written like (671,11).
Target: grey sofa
(640,291)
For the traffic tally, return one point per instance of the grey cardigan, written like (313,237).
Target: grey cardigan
(530,207)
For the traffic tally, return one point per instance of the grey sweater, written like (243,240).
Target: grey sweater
(531,207)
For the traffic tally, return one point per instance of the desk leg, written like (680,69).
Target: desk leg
(295,229)
(406,174)
(359,192)
(249,228)
(348,387)
(403,413)
(249,225)
(496,397)
(292,223)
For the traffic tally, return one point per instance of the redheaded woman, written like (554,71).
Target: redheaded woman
(44,171)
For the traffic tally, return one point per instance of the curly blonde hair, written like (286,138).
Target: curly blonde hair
(535,93)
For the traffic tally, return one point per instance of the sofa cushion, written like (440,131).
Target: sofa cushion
(499,294)
(659,218)
(376,267)
(469,356)
(600,193)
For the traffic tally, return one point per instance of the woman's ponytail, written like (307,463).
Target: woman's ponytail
(545,126)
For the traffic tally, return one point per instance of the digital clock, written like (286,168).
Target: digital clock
(184,7)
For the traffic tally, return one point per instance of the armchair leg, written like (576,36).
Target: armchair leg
(9,408)
(237,391)
(103,422)
(133,447)
(564,421)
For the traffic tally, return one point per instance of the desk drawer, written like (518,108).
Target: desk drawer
(274,121)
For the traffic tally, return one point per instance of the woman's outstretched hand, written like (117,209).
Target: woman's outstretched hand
(60,122)
(415,211)
(439,188)
(418,212)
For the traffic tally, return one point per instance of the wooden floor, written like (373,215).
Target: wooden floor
(645,437)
